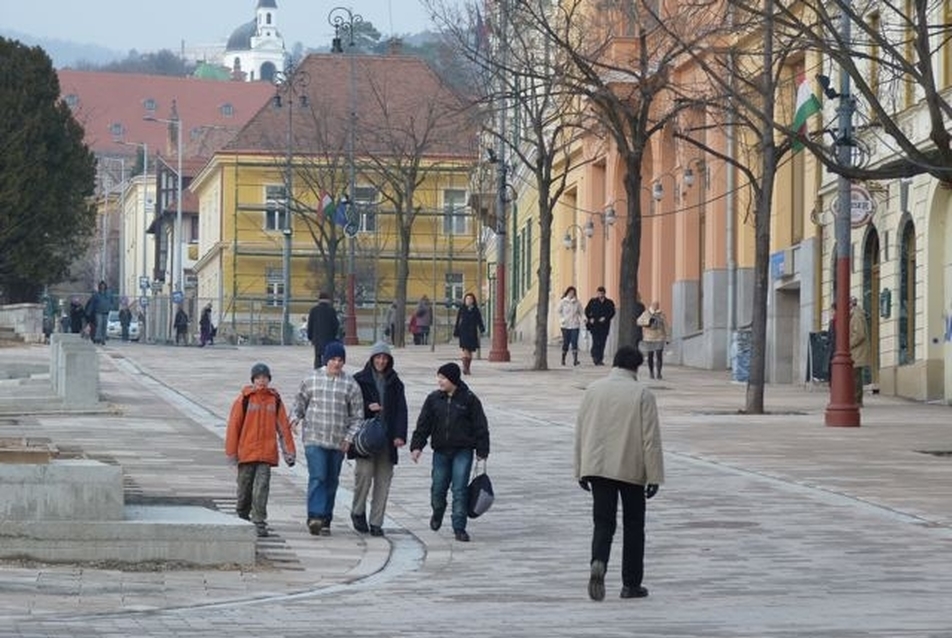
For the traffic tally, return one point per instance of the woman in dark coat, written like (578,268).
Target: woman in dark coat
(469,325)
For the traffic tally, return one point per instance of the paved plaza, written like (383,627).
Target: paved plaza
(767,526)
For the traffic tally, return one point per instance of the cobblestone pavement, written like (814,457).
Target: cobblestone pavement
(767,525)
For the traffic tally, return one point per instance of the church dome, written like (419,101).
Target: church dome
(240,39)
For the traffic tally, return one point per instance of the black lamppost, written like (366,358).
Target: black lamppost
(291,84)
(344,22)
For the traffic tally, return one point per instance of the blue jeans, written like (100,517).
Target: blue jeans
(452,468)
(323,476)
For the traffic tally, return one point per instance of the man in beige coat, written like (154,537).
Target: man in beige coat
(618,452)
(859,348)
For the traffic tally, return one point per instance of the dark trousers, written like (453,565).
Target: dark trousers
(654,356)
(318,354)
(605,494)
(599,337)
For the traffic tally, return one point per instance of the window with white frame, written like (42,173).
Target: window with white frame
(453,288)
(275,207)
(454,211)
(366,201)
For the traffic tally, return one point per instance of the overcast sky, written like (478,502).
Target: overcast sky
(163,24)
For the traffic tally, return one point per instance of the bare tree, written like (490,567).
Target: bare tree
(407,138)
(518,71)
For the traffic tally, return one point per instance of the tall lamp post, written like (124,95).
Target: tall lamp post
(344,21)
(500,336)
(842,411)
(293,84)
(178,271)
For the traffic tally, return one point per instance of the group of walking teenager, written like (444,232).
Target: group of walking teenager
(328,409)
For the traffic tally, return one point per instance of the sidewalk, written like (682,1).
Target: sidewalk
(728,475)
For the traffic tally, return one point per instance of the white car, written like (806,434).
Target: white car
(114,328)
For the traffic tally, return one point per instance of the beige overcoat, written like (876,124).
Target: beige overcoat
(617,435)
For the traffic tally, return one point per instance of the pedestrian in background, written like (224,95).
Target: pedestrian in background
(181,326)
(618,454)
(323,326)
(384,396)
(599,312)
(390,323)
(97,313)
(125,319)
(77,316)
(571,317)
(424,319)
(859,348)
(655,327)
(330,406)
(258,431)
(453,421)
(469,326)
(205,328)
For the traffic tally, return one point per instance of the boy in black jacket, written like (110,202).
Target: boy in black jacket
(453,420)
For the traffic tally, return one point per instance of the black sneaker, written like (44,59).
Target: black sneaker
(461,536)
(360,523)
(634,592)
(436,521)
(314,526)
(325,527)
(261,529)
(376,531)
(596,581)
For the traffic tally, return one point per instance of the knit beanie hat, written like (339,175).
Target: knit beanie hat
(260,369)
(451,372)
(333,350)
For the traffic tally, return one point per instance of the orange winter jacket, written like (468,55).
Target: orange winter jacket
(255,436)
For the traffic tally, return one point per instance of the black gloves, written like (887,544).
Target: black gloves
(650,490)
(582,483)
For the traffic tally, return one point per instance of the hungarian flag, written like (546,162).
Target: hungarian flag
(807,105)
(326,206)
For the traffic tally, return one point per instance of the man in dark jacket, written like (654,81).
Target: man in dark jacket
(599,312)
(322,326)
(453,420)
(97,313)
(384,395)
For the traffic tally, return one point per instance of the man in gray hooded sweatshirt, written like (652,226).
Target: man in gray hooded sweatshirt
(383,395)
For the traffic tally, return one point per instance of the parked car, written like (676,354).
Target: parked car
(114,328)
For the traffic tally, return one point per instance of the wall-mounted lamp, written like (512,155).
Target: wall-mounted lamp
(689,177)
(608,220)
(574,241)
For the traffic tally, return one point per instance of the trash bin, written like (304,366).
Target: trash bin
(741,341)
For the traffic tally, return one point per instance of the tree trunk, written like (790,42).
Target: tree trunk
(540,355)
(630,252)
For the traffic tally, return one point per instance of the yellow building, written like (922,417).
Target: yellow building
(404,157)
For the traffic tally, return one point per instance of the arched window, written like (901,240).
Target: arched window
(907,294)
(267,18)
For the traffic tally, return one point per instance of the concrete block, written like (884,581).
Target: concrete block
(192,535)
(77,374)
(62,490)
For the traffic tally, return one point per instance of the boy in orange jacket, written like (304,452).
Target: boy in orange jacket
(257,427)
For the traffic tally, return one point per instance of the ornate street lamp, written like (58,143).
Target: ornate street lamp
(344,22)
(291,84)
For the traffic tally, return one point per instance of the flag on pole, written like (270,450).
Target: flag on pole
(807,105)
(326,206)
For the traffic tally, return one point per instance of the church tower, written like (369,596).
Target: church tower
(257,47)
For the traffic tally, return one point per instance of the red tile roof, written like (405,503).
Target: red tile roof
(102,100)
(400,102)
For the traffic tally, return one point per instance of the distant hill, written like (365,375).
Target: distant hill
(66,53)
